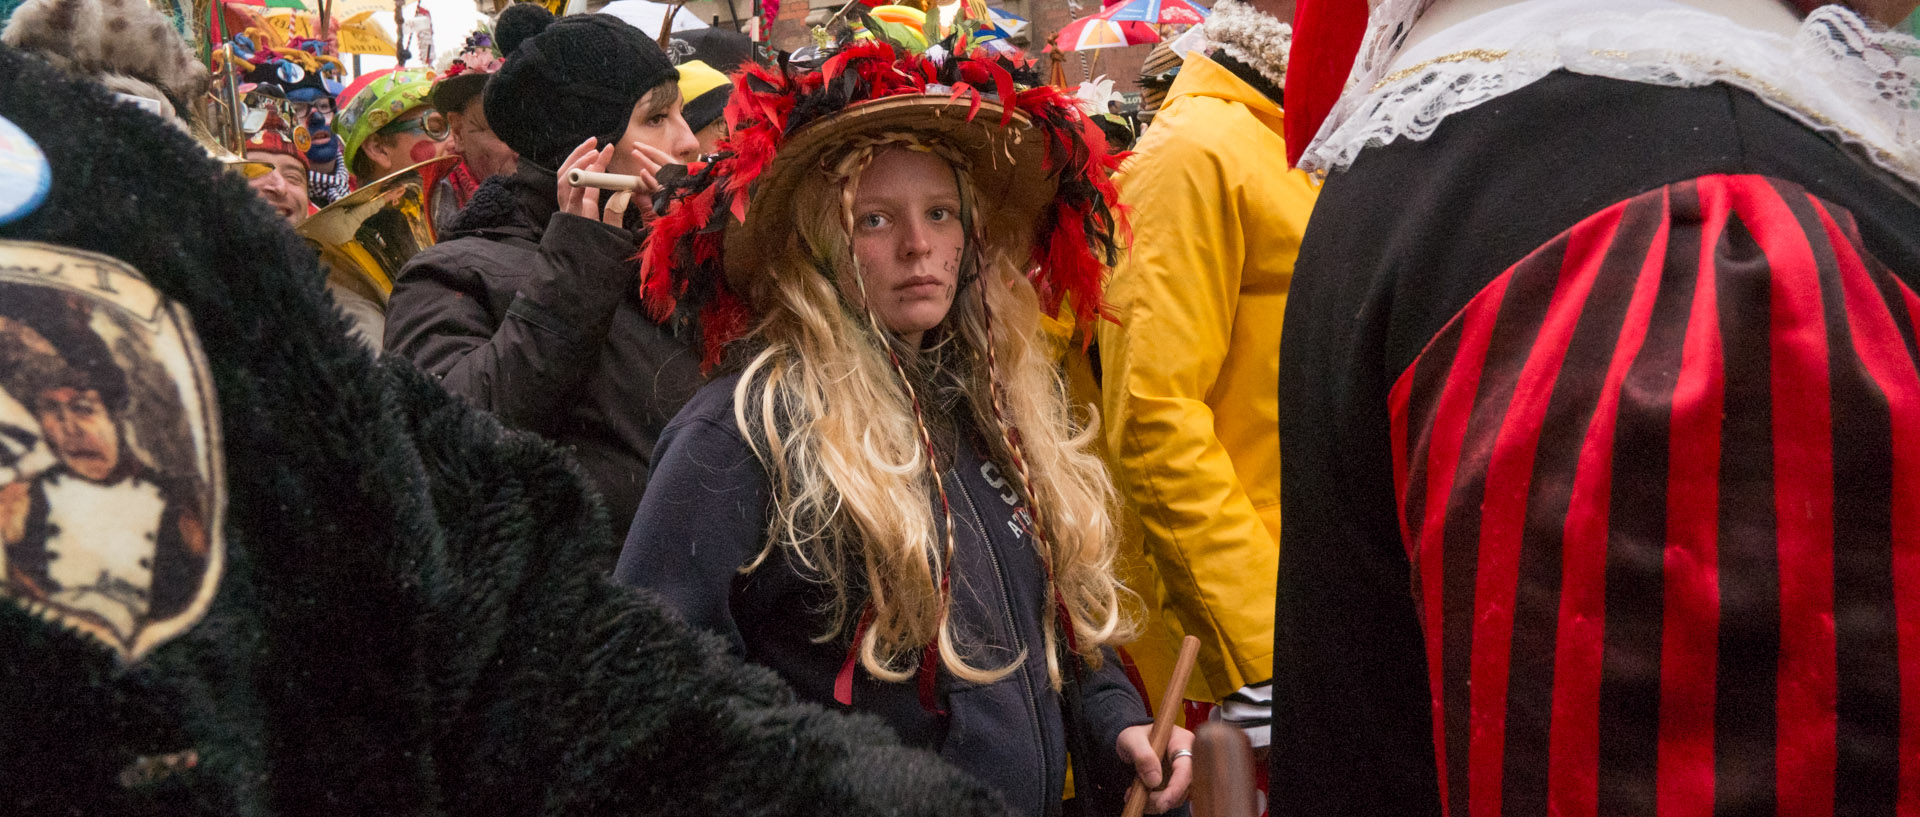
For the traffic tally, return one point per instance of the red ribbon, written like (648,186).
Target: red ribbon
(843,682)
(929,670)
(929,686)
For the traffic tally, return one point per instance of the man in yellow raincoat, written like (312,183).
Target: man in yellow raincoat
(1190,371)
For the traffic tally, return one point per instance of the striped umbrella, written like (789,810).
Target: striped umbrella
(1096,31)
(1156,12)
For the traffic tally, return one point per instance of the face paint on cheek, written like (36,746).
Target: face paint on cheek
(423,150)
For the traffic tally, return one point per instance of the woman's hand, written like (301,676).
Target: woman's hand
(585,201)
(645,162)
(1137,752)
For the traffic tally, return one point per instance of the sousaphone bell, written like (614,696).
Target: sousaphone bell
(366,237)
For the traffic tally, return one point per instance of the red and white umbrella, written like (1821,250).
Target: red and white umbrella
(1097,31)
(1156,12)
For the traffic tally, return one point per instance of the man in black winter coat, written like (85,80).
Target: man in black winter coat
(401,625)
(532,311)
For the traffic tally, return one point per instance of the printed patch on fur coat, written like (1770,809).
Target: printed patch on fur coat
(111,486)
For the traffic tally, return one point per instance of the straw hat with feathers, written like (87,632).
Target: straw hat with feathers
(1030,150)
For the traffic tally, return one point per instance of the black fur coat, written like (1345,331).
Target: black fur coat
(404,626)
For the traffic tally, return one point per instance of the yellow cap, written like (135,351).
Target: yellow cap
(697,78)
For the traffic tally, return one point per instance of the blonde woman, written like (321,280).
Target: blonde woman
(887,502)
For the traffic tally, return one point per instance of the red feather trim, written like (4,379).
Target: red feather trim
(963,88)
(657,257)
(1003,86)
(835,65)
(974,73)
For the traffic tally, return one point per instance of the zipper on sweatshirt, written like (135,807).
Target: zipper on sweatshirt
(1013,631)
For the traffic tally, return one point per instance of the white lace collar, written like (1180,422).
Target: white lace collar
(1837,74)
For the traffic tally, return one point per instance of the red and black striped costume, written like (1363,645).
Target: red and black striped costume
(1601,450)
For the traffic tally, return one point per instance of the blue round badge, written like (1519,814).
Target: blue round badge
(25,176)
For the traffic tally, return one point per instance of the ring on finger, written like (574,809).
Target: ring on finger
(1179,753)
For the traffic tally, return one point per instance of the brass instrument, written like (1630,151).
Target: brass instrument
(365,238)
(219,151)
(214,120)
(247,168)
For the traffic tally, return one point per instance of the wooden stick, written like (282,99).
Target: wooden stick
(603,181)
(1163,721)
(1222,773)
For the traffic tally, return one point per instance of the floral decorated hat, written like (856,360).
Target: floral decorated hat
(1030,150)
(467,73)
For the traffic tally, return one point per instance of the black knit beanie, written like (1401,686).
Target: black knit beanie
(567,79)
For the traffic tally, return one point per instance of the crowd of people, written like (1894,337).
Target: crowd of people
(1516,399)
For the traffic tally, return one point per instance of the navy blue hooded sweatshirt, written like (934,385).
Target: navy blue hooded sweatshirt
(705,515)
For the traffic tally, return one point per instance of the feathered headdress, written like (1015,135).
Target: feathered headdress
(1033,152)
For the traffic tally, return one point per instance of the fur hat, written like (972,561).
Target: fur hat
(1030,149)
(126,45)
(1256,40)
(567,79)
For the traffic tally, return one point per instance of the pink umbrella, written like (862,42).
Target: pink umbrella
(1097,31)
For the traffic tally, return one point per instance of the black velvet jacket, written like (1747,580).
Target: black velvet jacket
(1550,267)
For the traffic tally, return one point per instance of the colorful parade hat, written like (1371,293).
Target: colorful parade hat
(1029,148)
(296,81)
(466,77)
(374,101)
(277,136)
(904,25)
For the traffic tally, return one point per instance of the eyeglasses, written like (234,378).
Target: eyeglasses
(301,109)
(433,124)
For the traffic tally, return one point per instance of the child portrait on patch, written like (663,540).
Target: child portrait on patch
(105,509)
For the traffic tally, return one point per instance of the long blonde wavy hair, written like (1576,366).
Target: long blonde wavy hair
(835,417)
